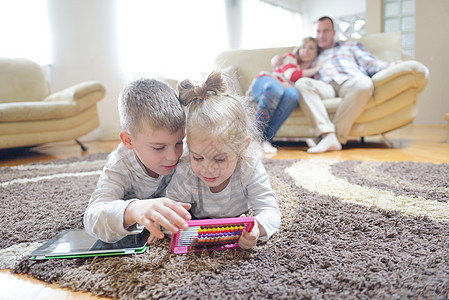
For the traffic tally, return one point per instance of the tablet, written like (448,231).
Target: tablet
(72,243)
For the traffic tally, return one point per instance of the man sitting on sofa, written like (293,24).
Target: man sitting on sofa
(346,72)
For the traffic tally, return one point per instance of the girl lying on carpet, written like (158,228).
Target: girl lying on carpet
(223,175)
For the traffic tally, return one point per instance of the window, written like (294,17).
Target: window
(399,15)
(350,27)
(176,38)
(24,30)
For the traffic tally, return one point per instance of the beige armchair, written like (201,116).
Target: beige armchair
(392,105)
(31,115)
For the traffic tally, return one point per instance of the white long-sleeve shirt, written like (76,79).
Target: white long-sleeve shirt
(122,180)
(249,187)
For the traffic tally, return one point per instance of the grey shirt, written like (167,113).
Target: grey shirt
(123,180)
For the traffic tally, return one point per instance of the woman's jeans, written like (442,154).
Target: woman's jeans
(275,104)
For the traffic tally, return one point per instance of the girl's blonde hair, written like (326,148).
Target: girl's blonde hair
(211,113)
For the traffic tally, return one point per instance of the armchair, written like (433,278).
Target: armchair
(31,115)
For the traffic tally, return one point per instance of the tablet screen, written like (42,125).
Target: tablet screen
(78,241)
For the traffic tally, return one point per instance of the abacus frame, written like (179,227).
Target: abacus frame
(176,248)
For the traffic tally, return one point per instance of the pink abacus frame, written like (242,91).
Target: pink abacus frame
(183,241)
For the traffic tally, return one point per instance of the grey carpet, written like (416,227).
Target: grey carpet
(351,230)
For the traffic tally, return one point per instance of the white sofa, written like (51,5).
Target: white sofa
(392,105)
(31,115)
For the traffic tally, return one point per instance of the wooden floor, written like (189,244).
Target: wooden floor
(418,143)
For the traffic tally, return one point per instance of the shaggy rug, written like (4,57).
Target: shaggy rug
(351,229)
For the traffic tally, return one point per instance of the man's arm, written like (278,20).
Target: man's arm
(367,61)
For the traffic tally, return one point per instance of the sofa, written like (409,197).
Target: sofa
(392,105)
(31,115)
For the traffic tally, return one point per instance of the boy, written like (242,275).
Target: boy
(131,189)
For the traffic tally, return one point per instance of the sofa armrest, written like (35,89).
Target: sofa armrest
(78,92)
(398,78)
(63,104)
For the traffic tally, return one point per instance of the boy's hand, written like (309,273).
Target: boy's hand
(249,239)
(154,213)
(152,239)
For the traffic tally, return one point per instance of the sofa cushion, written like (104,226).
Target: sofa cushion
(49,125)
(66,103)
(32,111)
(21,80)
(389,49)
(32,133)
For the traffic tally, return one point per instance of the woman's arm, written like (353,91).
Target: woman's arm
(313,70)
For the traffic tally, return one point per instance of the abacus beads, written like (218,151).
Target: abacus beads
(219,235)
(210,234)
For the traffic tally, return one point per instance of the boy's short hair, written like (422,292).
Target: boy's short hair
(150,102)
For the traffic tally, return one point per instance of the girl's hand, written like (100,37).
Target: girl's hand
(249,239)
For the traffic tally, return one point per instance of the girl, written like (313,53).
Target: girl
(275,92)
(223,175)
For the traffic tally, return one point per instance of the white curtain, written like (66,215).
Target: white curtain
(24,30)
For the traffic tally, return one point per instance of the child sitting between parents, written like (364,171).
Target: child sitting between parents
(223,175)
(131,189)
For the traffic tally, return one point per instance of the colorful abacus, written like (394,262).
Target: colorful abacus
(210,234)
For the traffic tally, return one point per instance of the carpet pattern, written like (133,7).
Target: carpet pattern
(350,229)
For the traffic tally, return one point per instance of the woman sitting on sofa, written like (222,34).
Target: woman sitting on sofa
(275,92)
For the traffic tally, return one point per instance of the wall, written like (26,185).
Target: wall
(85,47)
(373,16)
(431,46)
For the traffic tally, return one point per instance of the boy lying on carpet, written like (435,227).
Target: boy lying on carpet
(130,192)
(223,175)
